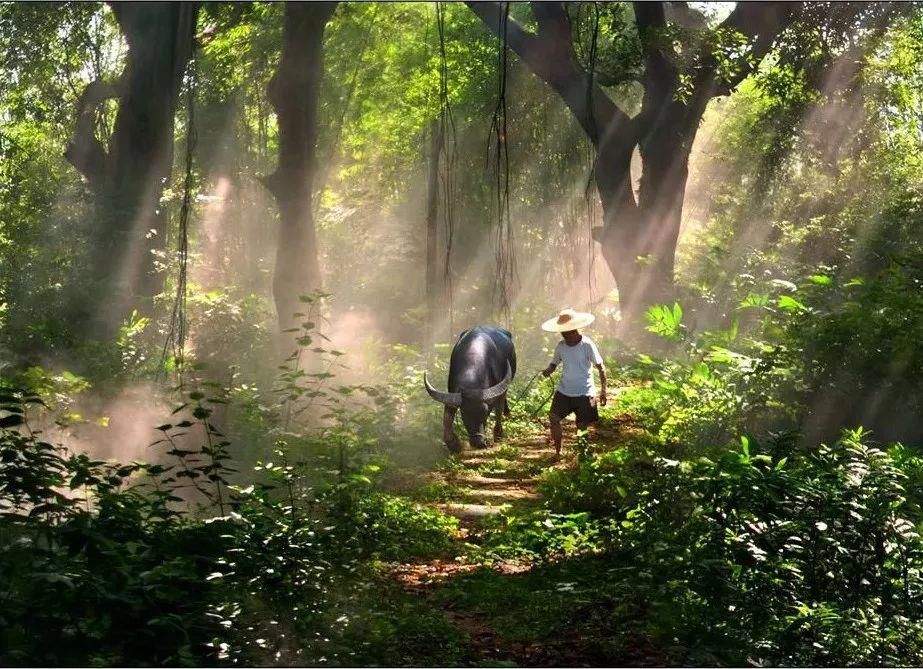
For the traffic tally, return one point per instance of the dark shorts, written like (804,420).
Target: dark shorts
(584,407)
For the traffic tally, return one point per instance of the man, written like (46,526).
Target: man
(575,392)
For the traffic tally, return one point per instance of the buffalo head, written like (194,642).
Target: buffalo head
(475,405)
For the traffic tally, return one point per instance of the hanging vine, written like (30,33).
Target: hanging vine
(505,257)
(587,196)
(175,343)
(449,157)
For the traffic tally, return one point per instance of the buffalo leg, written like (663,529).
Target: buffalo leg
(498,420)
(448,430)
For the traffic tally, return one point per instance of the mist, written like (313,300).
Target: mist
(369,207)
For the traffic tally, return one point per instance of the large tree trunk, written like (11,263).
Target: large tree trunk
(129,178)
(638,238)
(293,92)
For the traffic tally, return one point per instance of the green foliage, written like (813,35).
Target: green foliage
(664,321)
(383,625)
(639,402)
(211,571)
(230,325)
(604,484)
(97,565)
(800,311)
(871,324)
(788,554)
(392,528)
(47,57)
(540,535)
(818,240)
(719,383)
(564,602)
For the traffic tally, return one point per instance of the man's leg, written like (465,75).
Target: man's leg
(556,432)
(560,409)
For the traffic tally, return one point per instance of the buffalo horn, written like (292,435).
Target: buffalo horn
(494,392)
(452,400)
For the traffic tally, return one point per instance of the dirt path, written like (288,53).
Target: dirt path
(515,610)
(496,477)
(480,484)
(477,485)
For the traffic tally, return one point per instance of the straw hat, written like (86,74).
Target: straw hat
(567,320)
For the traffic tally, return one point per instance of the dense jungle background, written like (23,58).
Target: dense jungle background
(233,236)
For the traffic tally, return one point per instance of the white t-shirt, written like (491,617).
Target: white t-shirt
(577,377)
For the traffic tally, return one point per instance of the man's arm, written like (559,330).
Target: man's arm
(602,384)
(555,359)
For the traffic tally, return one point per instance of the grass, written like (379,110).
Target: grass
(437,491)
(512,468)
(641,402)
(378,623)
(506,451)
(577,608)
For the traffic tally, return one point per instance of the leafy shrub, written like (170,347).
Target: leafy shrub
(97,565)
(91,552)
(782,554)
(392,528)
(858,344)
(231,326)
(540,535)
(603,484)
(707,392)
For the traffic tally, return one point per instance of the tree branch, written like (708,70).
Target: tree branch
(85,152)
(761,23)
(550,55)
(660,79)
(650,17)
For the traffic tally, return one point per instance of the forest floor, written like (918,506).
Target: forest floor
(513,607)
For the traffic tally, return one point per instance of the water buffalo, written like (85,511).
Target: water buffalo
(482,365)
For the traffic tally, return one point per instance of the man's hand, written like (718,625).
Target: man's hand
(602,397)
(548,371)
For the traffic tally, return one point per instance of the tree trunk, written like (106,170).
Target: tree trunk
(293,92)
(129,178)
(638,239)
